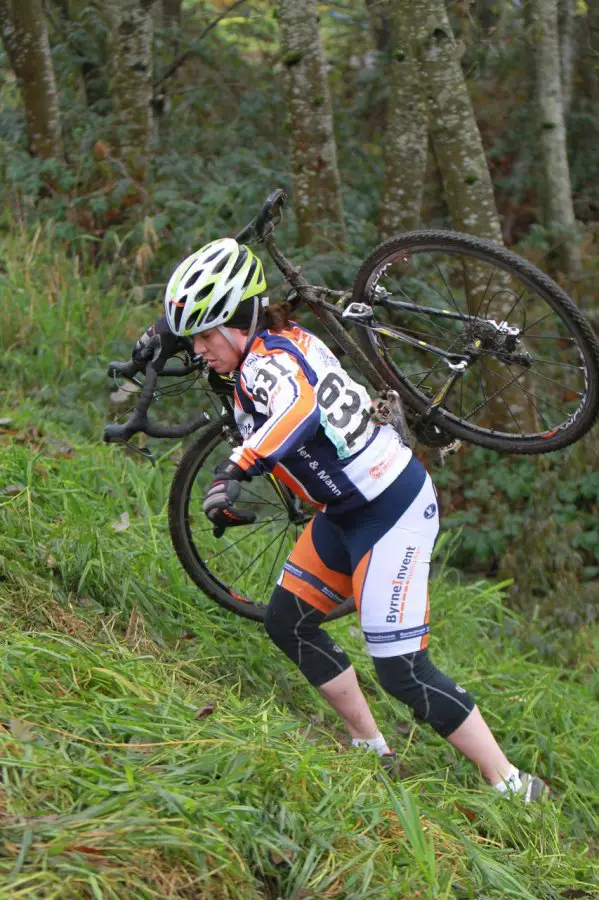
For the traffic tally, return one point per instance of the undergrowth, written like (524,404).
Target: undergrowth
(153,745)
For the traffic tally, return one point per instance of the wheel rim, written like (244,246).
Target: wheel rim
(246,561)
(528,385)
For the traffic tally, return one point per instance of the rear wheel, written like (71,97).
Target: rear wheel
(466,324)
(240,569)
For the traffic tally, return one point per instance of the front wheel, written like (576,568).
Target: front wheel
(466,328)
(239,570)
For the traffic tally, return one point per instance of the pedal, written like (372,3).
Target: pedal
(385,409)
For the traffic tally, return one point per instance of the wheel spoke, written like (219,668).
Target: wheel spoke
(417,312)
(447,276)
(549,362)
(482,299)
(244,537)
(528,393)
(451,300)
(250,564)
(523,294)
(272,568)
(563,387)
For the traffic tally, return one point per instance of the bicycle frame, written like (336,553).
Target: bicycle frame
(261,229)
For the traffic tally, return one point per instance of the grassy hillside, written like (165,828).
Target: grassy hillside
(152,745)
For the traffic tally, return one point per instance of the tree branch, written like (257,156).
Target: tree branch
(185,56)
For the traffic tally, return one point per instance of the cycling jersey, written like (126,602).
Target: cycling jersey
(302,417)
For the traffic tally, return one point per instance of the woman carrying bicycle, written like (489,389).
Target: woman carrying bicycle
(302,417)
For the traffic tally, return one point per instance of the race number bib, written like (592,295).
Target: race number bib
(344,412)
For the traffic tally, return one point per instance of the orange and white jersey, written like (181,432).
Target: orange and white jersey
(304,418)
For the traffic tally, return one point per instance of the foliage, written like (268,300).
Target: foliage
(154,745)
(62,321)
(220,140)
(534,520)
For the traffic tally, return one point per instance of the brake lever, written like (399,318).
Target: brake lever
(142,451)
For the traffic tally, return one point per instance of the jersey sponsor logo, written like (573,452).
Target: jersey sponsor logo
(430,511)
(326,479)
(388,637)
(319,472)
(380,468)
(401,584)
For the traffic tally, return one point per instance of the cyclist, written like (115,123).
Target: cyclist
(303,417)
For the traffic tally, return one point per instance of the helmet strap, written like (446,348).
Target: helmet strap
(226,332)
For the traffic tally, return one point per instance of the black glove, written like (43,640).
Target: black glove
(159,343)
(222,494)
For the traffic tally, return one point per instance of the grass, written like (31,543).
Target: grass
(153,745)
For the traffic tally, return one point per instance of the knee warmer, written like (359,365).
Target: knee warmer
(433,696)
(293,625)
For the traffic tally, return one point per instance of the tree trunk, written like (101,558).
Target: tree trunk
(566,52)
(590,74)
(406,137)
(380,13)
(467,185)
(171,14)
(555,175)
(85,25)
(25,35)
(454,132)
(317,188)
(132,26)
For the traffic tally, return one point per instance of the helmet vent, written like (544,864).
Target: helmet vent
(203,293)
(250,274)
(178,314)
(243,254)
(219,266)
(193,320)
(214,255)
(218,308)
(191,281)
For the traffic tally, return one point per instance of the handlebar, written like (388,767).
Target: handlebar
(257,227)
(130,369)
(139,420)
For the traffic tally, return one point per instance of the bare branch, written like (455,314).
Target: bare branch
(185,56)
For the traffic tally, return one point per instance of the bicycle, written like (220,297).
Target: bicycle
(444,299)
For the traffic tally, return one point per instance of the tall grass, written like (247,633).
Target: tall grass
(153,745)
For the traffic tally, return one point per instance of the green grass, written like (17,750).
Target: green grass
(153,745)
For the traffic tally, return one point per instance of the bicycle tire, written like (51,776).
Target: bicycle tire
(487,252)
(182,537)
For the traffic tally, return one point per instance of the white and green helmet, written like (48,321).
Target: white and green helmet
(207,288)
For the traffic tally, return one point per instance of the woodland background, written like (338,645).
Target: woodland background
(133,132)
(152,745)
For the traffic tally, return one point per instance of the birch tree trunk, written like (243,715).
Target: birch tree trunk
(86,24)
(25,36)
(454,132)
(379,13)
(566,52)
(467,185)
(171,14)
(406,138)
(317,188)
(555,175)
(131,34)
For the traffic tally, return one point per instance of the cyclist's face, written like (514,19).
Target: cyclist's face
(220,354)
